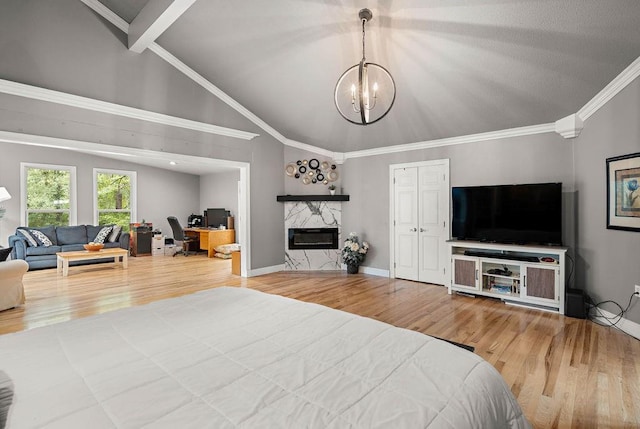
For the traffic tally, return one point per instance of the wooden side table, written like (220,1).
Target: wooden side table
(235,263)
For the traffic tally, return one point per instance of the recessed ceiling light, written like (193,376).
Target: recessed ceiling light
(173,163)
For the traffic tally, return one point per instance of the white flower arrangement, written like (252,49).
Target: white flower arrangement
(354,252)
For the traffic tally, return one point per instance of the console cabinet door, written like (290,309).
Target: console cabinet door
(464,273)
(541,284)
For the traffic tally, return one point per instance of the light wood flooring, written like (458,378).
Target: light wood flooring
(565,372)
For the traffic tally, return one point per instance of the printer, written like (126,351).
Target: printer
(195,221)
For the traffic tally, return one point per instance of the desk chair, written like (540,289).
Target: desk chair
(178,235)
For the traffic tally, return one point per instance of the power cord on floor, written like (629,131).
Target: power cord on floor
(573,264)
(610,321)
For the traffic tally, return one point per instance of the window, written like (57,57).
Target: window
(114,197)
(48,195)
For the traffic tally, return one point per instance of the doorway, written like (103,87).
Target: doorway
(419,219)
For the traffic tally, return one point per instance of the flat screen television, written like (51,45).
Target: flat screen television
(511,214)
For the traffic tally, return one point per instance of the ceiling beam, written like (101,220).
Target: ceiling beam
(154,18)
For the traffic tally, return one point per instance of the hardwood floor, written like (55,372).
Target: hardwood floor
(565,372)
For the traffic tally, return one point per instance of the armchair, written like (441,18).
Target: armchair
(11,288)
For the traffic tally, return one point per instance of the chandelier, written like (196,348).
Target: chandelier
(365,92)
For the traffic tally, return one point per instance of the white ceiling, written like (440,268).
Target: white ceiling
(461,66)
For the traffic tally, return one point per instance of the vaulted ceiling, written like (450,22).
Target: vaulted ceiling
(461,67)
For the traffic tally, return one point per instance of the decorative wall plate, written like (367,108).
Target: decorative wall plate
(291,169)
(312,171)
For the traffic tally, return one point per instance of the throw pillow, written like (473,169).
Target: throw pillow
(27,235)
(227,248)
(42,239)
(115,233)
(102,235)
(4,253)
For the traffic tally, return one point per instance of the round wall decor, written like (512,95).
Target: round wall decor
(291,169)
(312,171)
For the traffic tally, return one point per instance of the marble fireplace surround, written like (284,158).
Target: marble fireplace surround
(312,211)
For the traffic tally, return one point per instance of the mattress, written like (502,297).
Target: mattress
(239,358)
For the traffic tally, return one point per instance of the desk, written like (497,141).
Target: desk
(210,238)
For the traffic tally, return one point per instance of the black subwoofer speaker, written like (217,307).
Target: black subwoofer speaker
(575,304)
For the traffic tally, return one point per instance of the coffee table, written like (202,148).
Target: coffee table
(65,257)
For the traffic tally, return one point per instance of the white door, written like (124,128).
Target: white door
(421,222)
(406,223)
(433,230)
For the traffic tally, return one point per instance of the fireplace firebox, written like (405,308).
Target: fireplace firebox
(313,238)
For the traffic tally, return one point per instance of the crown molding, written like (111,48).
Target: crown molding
(42,94)
(570,126)
(310,148)
(471,138)
(619,83)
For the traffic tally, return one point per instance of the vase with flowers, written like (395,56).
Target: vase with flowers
(354,252)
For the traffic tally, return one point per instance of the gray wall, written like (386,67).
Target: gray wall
(220,190)
(530,159)
(608,264)
(160,193)
(65,46)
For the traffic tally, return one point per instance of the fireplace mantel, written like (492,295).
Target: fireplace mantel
(285,198)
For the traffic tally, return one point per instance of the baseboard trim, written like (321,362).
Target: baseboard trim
(375,271)
(625,325)
(369,270)
(266,270)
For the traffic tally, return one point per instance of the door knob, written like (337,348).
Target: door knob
(413,229)
(422,230)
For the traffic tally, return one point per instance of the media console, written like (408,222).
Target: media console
(520,275)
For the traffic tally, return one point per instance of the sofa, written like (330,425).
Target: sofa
(38,246)
(11,289)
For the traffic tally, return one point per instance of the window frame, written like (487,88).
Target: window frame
(133,195)
(73,190)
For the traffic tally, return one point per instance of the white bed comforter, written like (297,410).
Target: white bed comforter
(232,357)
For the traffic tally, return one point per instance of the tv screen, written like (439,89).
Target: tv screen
(516,214)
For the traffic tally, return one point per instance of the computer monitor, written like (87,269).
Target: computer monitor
(216,217)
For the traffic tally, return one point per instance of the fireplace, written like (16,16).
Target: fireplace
(313,238)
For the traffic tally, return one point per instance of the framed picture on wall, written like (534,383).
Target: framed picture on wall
(623,192)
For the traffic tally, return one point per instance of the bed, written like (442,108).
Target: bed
(238,358)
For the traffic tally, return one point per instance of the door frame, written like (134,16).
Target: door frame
(392,203)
